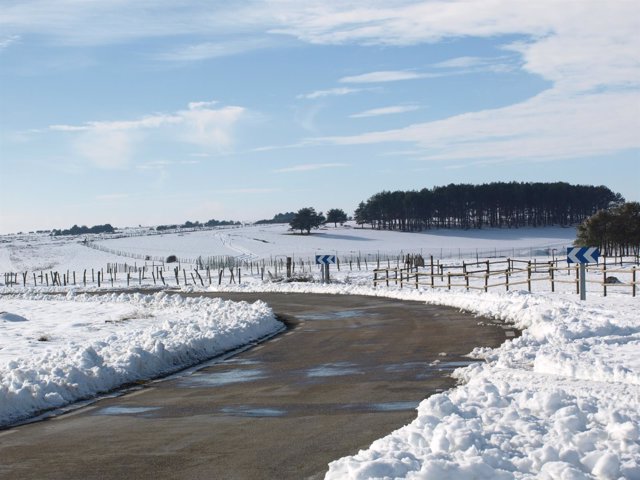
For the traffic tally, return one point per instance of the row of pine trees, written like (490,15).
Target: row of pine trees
(496,204)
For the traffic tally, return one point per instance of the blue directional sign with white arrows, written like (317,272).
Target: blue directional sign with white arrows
(325,259)
(582,254)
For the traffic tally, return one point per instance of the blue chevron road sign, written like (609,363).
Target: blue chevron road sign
(325,259)
(582,254)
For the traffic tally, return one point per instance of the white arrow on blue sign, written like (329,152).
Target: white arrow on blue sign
(325,259)
(582,254)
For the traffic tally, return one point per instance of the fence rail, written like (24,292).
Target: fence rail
(458,276)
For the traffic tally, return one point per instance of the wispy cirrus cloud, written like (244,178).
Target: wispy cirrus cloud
(387,76)
(548,126)
(221,48)
(331,92)
(376,112)
(586,50)
(307,167)
(110,144)
(8,40)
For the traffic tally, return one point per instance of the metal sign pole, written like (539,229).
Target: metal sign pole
(583,282)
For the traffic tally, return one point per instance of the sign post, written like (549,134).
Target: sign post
(582,256)
(325,261)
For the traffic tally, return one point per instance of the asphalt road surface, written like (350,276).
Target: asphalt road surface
(349,370)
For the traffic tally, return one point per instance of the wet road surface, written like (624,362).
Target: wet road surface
(349,370)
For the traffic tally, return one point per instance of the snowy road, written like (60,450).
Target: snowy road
(349,370)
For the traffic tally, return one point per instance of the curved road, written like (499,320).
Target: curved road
(348,370)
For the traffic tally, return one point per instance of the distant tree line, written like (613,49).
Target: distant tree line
(615,231)
(196,224)
(278,218)
(497,204)
(76,230)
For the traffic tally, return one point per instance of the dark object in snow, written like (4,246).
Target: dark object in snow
(171,259)
(612,279)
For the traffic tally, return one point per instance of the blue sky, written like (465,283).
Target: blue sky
(153,112)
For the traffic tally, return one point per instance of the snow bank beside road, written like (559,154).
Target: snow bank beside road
(64,349)
(560,402)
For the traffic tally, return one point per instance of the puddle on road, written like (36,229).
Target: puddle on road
(218,379)
(244,411)
(407,367)
(394,406)
(453,365)
(241,361)
(337,315)
(124,410)
(380,407)
(334,370)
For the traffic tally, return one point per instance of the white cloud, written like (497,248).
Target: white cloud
(330,92)
(110,144)
(197,105)
(207,50)
(310,166)
(477,64)
(387,76)
(375,112)
(7,41)
(587,49)
(460,62)
(110,149)
(545,127)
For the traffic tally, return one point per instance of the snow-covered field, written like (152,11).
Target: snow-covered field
(269,240)
(41,252)
(560,402)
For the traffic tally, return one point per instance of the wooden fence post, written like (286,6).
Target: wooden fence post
(449,280)
(604,279)
(577,279)
(529,275)
(506,276)
(551,274)
(432,271)
(633,281)
(486,282)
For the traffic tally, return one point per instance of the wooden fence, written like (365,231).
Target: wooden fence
(109,277)
(481,275)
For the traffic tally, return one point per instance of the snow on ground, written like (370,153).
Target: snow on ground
(262,241)
(20,253)
(55,350)
(41,252)
(560,402)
